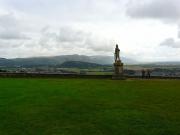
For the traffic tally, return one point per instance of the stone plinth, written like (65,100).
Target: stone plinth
(118,70)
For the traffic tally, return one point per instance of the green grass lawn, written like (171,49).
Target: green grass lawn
(89,107)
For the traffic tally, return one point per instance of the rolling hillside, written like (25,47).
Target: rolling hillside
(57,60)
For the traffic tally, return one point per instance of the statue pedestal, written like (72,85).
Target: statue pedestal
(118,70)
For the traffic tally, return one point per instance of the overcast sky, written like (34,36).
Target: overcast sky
(146,30)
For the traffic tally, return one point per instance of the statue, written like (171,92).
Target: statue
(118,65)
(116,54)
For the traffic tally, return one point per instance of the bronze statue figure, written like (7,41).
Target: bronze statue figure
(116,54)
(118,65)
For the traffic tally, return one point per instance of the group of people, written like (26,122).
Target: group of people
(146,73)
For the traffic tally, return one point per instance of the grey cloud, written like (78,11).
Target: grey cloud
(156,9)
(12,35)
(63,35)
(68,37)
(99,44)
(67,34)
(70,10)
(8,21)
(10,28)
(6,44)
(170,42)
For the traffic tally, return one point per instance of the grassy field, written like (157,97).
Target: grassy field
(89,107)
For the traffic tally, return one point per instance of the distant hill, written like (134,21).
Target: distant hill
(57,60)
(161,64)
(79,64)
(110,60)
(167,63)
(6,62)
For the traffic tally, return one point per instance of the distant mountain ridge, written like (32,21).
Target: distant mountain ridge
(79,64)
(57,60)
(166,63)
